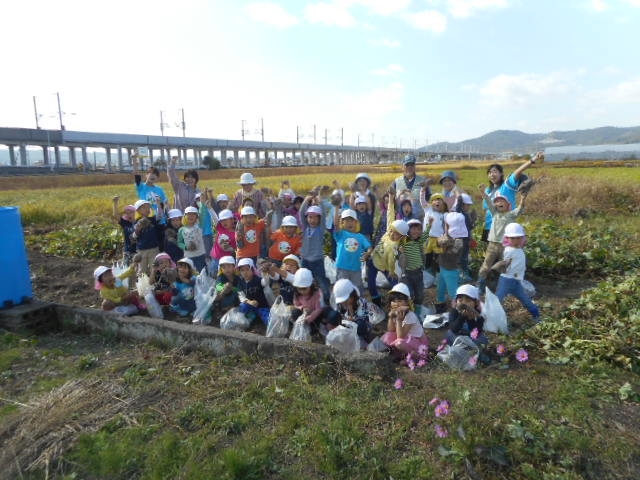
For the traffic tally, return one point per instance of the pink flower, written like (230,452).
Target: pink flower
(411,364)
(441,432)
(444,341)
(421,363)
(434,400)
(522,355)
(422,350)
(500,349)
(473,361)
(441,347)
(409,358)
(474,333)
(442,409)
(398,384)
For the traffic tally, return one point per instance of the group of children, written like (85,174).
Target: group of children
(258,243)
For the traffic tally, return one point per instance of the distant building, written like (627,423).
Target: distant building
(592,152)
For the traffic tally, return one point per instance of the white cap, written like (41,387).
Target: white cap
(400,226)
(174,213)
(414,221)
(401,288)
(198,195)
(337,192)
(363,175)
(188,261)
(227,260)
(293,258)
(222,197)
(360,199)
(313,210)
(247,211)
(303,278)
(289,221)
(514,230)
(468,290)
(342,289)
(225,214)
(99,271)
(245,261)
(139,203)
(466,199)
(247,179)
(190,210)
(349,213)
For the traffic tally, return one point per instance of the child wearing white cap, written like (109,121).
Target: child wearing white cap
(253,302)
(515,264)
(352,248)
(183,289)
(224,242)
(249,234)
(170,241)
(463,205)
(313,232)
(285,241)
(465,317)
(404,333)
(147,233)
(227,285)
(190,238)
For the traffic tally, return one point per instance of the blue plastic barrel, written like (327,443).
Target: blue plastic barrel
(15,280)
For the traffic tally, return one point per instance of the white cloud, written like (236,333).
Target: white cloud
(633,3)
(612,70)
(271,14)
(329,14)
(467,8)
(385,42)
(369,109)
(384,7)
(524,89)
(624,92)
(431,20)
(390,69)
(599,5)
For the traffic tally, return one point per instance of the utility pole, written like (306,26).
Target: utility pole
(59,111)
(184,125)
(314,134)
(35,111)
(325,136)
(262,128)
(161,124)
(297,134)
(342,136)
(242,128)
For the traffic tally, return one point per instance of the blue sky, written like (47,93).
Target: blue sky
(387,72)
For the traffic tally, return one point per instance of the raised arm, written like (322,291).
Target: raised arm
(539,156)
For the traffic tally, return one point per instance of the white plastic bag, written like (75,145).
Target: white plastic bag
(427,279)
(495,319)
(381,281)
(204,301)
(153,307)
(462,355)
(234,319)
(435,321)
(125,309)
(344,337)
(269,295)
(528,287)
(279,319)
(301,330)
(376,314)
(143,285)
(203,282)
(117,269)
(330,269)
(377,345)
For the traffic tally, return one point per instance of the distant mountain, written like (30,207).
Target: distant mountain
(516,141)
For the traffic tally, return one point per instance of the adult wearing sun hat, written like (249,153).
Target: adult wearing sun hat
(247,190)
(409,185)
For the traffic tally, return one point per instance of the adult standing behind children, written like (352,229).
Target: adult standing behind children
(411,184)
(504,187)
(247,190)
(184,190)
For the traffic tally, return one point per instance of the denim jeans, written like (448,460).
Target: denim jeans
(320,276)
(513,286)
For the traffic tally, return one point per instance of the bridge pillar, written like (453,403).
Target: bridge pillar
(12,155)
(45,155)
(72,157)
(85,160)
(223,156)
(120,164)
(23,155)
(235,158)
(108,152)
(56,151)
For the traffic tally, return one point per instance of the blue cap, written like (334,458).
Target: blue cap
(449,174)
(408,159)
